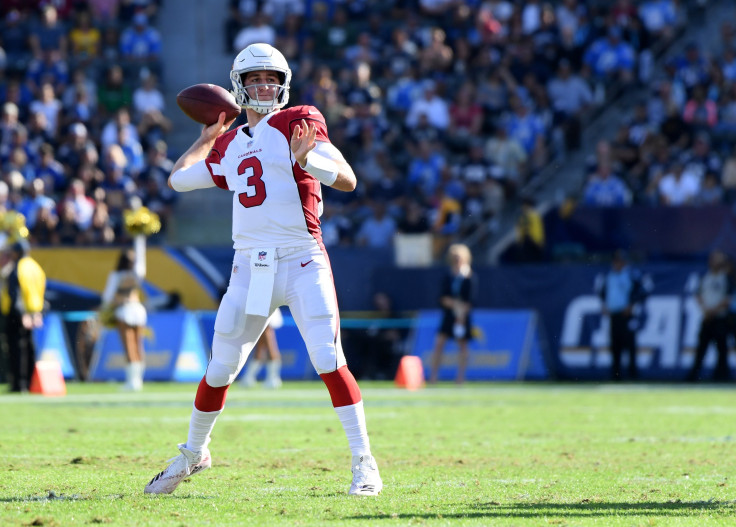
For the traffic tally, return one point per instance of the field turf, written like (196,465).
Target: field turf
(481,454)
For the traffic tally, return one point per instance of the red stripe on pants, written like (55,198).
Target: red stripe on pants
(210,399)
(342,386)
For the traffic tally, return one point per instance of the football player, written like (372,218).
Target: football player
(274,166)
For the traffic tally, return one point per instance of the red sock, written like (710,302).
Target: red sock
(343,389)
(210,399)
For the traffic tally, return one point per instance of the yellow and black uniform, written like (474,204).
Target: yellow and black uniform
(530,237)
(21,302)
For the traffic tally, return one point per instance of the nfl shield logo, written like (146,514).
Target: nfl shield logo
(261,255)
(250,143)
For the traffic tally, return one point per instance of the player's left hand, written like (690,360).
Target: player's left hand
(302,141)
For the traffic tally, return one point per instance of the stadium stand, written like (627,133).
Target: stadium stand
(447,109)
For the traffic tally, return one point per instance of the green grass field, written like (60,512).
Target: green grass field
(481,454)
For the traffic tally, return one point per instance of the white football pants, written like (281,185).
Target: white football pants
(303,282)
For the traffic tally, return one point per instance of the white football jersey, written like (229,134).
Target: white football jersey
(275,202)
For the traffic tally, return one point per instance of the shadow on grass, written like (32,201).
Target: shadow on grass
(51,496)
(567,510)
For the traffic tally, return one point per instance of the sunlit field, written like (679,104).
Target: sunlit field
(481,454)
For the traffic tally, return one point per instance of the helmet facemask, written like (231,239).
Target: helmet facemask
(260,57)
(246,95)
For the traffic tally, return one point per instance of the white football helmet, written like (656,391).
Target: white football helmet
(258,57)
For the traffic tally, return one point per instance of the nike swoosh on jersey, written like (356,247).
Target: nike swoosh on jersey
(306,263)
(312,112)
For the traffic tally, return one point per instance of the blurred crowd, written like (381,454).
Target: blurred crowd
(446,108)
(677,146)
(82,122)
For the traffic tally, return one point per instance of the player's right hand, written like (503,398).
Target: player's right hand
(213,131)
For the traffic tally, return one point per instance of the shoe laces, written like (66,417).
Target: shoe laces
(363,468)
(191,456)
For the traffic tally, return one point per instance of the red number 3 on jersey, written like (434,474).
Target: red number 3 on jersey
(256,192)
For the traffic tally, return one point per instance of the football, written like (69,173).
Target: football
(204,102)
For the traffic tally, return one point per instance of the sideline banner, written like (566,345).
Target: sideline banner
(173,351)
(505,346)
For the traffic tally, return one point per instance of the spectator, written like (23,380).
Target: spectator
(700,112)
(691,68)
(259,30)
(34,202)
(432,105)
(82,109)
(68,230)
(474,168)
(659,18)
(713,297)
(701,158)
(678,187)
(437,56)
(114,93)
(48,104)
(667,94)
(711,192)
(239,13)
(524,126)
(425,169)
(155,192)
(49,35)
(44,231)
(529,245)
(605,189)
(337,227)
(362,51)
(148,98)
(466,118)
(140,45)
(122,120)
(133,150)
(85,40)
(571,97)
(104,12)
(14,41)
(81,81)
(118,185)
(18,163)
(8,123)
(509,158)
(495,89)
(446,215)
(611,59)
(50,68)
(74,147)
(377,231)
(49,169)
(414,219)
(81,207)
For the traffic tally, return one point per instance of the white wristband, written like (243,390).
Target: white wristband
(322,168)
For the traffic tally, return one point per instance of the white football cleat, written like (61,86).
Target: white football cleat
(273,383)
(366,481)
(184,465)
